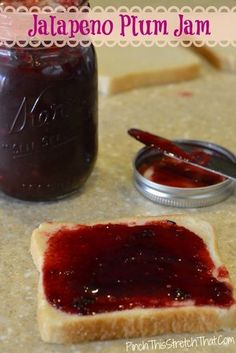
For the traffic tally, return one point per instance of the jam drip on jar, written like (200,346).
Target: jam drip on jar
(171,172)
(105,268)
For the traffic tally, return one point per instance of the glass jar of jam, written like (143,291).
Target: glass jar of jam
(48,120)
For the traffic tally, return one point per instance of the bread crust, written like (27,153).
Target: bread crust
(129,73)
(57,326)
(218,58)
(131,81)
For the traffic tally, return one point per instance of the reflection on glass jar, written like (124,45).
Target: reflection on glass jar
(48,120)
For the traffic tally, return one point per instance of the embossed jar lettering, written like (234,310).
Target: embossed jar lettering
(26,118)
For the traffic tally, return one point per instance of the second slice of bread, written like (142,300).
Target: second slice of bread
(223,58)
(125,68)
(60,327)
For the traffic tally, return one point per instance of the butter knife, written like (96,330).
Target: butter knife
(209,162)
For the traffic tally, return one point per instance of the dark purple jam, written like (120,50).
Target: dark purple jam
(171,172)
(105,268)
(48,120)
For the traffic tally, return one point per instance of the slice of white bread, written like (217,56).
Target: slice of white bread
(59,327)
(125,68)
(224,58)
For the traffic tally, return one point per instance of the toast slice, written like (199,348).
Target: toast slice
(125,68)
(223,58)
(143,311)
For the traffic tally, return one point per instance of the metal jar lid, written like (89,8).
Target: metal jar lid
(184,197)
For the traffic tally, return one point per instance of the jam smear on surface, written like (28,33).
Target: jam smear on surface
(185,94)
(104,268)
(171,172)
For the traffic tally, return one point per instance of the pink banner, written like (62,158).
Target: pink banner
(123,26)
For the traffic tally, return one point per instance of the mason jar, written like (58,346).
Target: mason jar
(48,120)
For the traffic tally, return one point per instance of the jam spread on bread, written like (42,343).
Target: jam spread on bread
(112,267)
(172,172)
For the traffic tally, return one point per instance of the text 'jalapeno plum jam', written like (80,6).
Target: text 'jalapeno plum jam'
(104,268)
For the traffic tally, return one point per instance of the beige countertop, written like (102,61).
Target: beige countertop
(210,114)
